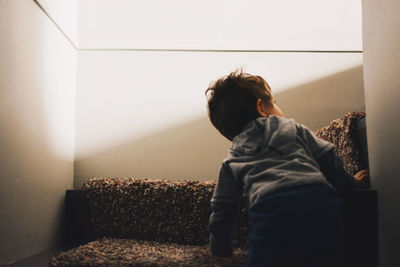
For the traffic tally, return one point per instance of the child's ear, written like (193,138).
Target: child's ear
(261,108)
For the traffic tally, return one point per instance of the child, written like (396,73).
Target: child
(287,173)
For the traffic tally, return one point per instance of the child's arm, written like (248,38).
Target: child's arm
(330,164)
(332,168)
(224,205)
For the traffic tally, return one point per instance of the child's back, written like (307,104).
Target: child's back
(273,154)
(285,171)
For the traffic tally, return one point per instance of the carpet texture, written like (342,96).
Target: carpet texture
(343,134)
(130,252)
(159,210)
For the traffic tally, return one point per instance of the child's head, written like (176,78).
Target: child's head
(236,99)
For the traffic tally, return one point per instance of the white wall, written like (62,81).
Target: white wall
(381,38)
(37,94)
(220,24)
(65,15)
(143,114)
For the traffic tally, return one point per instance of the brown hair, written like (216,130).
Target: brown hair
(232,99)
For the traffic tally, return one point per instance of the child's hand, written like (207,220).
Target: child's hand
(361,175)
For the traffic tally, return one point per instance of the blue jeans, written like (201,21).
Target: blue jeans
(297,227)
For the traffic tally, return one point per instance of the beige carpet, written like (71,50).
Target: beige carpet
(129,252)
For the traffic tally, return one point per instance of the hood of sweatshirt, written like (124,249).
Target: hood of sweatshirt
(272,133)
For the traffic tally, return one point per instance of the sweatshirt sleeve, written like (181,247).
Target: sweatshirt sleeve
(330,164)
(332,168)
(316,145)
(224,206)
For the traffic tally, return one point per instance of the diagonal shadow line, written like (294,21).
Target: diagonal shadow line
(55,23)
(194,149)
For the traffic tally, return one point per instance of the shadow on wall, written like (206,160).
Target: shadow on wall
(194,151)
(191,151)
(317,103)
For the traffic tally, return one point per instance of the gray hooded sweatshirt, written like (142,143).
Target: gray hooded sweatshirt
(269,155)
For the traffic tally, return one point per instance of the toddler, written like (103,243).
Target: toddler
(290,176)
